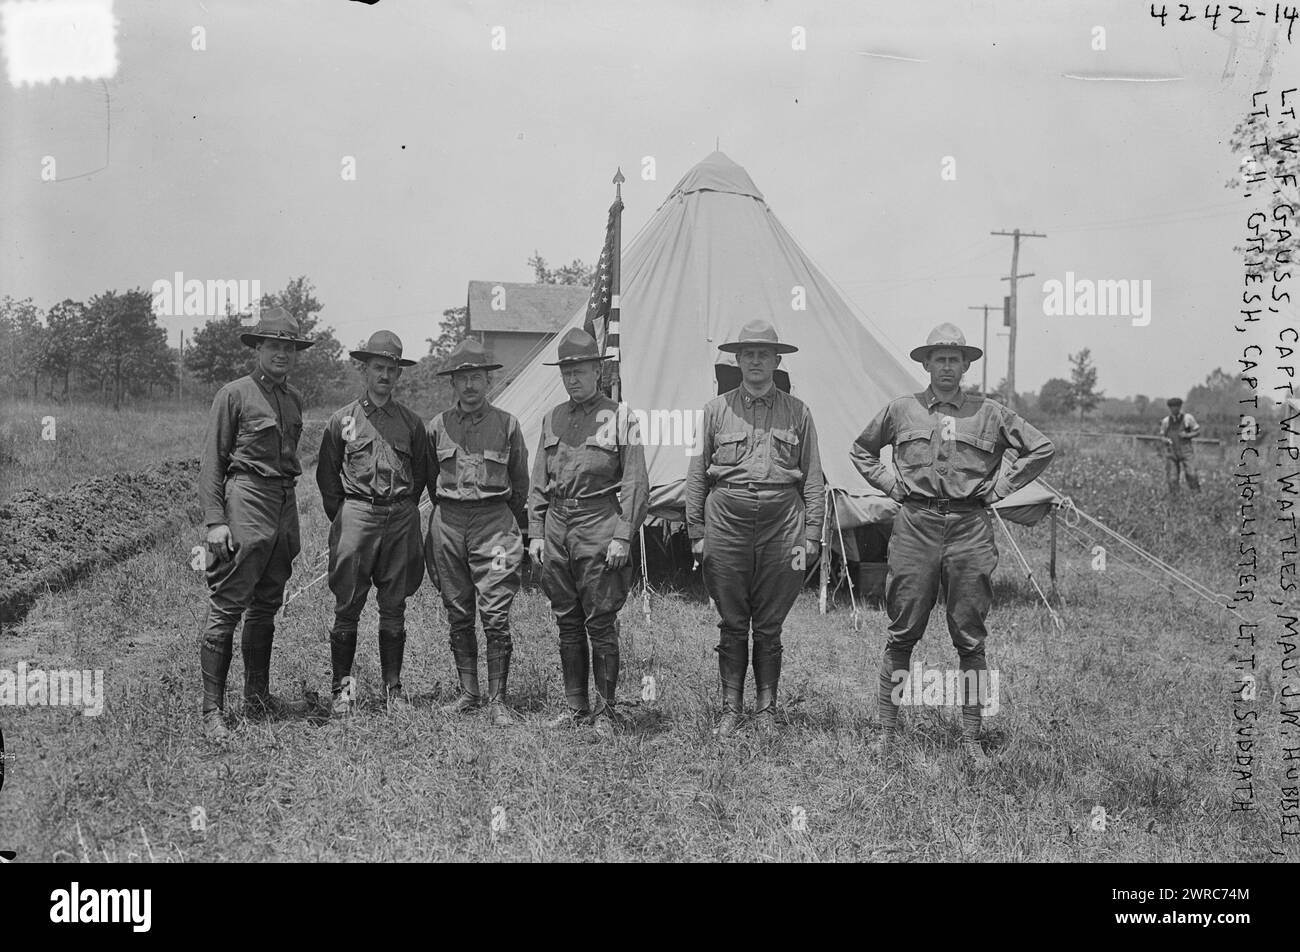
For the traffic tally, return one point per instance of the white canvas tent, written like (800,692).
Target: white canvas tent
(713,257)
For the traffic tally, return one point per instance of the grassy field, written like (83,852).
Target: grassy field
(1128,710)
(89,440)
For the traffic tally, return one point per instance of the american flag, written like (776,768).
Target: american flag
(602,291)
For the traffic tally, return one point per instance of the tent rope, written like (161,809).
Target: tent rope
(1183,578)
(1029,573)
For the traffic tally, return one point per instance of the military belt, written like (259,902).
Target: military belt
(377,500)
(571,504)
(944,505)
(753,487)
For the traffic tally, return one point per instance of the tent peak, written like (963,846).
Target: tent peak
(717,172)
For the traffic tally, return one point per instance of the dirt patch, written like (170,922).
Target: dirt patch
(51,540)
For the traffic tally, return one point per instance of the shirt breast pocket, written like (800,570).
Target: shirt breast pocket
(259,438)
(914,450)
(495,469)
(729,448)
(976,455)
(359,459)
(785,448)
(600,457)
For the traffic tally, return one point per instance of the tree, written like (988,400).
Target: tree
(215,354)
(68,342)
(1083,381)
(1219,398)
(1143,403)
(320,372)
(22,344)
(573,273)
(1057,397)
(1270,165)
(130,348)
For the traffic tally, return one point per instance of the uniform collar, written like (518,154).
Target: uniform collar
(267,382)
(475,417)
(765,399)
(932,398)
(587,406)
(369,406)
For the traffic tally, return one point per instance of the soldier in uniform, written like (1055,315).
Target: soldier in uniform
(589,496)
(246,489)
(371,471)
(474,546)
(947,457)
(1178,430)
(754,511)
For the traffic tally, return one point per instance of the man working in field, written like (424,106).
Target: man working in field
(246,489)
(371,471)
(475,542)
(589,497)
(947,448)
(1178,430)
(754,511)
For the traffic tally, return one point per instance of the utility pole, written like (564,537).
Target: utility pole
(984,370)
(1015,235)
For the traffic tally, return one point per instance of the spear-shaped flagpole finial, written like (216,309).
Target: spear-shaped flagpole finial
(618,183)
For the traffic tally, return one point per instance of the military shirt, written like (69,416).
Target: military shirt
(371,450)
(950,450)
(479,456)
(586,451)
(761,439)
(253,427)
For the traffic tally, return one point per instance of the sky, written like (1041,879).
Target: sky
(227,162)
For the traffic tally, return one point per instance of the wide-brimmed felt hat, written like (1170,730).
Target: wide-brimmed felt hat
(577,347)
(758,333)
(275,323)
(467,355)
(946,335)
(383,344)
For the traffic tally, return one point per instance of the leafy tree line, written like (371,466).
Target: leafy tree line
(109,347)
(112,346)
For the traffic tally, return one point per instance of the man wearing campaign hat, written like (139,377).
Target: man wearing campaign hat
(589,497)
(1178,430)
(248,470)
(946,472)
(474,546)
(372,468)
(755,499)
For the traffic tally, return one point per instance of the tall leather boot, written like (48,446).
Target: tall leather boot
(767,674)
(574,667)
(215,666)
(392,649)
(343,649)
(468,697)
(258,699)
(733,660)
(604,668)
(498,668)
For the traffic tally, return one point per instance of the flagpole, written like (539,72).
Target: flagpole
(612,337)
